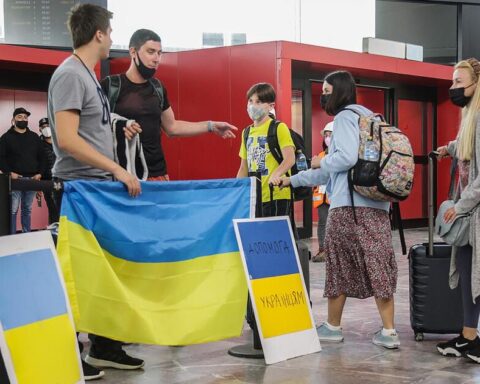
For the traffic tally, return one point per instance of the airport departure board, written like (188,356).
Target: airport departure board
(40,22)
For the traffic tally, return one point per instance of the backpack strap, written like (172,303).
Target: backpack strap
(246,133)
(257,175)
(350,172)
(158,89)
(114,84)
(272,140)
(350,189)
(351,110)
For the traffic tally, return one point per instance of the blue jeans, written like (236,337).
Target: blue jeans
(26,200)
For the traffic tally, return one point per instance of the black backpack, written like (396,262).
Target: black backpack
(299,193)
(113,90)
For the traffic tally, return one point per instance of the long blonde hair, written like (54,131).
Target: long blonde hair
(466,134)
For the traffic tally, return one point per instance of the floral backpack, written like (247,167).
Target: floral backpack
(385,167)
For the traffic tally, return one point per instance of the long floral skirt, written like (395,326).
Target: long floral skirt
(360,260)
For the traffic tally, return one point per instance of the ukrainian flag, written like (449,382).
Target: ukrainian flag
(37,329)
(162,268)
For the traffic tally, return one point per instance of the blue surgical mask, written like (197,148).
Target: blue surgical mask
(256,113)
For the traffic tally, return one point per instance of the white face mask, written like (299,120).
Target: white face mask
(327,140)
(46,132)
(256,113)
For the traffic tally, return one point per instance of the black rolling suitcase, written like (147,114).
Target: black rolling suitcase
(434,307)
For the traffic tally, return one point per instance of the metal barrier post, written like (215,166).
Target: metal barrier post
(5,204)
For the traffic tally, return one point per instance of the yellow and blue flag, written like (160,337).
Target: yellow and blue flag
(163,268)
(38,341)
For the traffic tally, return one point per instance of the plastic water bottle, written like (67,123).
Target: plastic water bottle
(371,151)
(301,161)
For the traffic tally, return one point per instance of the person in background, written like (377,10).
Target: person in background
(320,199)
(464,266)
(21,155)
(49,156)
(360,260)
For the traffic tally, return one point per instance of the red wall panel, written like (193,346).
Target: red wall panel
(410,121)
(203,90)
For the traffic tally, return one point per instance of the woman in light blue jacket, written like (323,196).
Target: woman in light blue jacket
(360,260)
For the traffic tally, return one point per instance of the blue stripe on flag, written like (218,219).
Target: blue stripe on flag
(195,217)
(268,248)
(30,288)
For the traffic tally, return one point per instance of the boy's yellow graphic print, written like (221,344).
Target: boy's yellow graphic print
(257,154)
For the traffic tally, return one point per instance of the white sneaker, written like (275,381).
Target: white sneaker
(326,334)
(391,341)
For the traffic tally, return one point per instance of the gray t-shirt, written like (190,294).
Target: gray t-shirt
(73,88)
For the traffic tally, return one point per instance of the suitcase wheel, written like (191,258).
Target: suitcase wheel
(419,336)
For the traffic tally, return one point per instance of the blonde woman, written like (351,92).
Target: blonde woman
(465,264)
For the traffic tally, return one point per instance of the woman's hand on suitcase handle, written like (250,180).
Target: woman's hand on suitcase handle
(442,152)
(450,215)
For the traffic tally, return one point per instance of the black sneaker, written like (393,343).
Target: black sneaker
(91,373)
(474,354)
(114,359)
(457,346)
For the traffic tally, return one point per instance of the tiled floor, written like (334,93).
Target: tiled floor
(356,360)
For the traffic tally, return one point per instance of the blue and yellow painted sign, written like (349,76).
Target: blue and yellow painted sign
(278,291)
(38,340)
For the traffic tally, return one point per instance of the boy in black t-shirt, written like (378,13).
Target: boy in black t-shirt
(143,99)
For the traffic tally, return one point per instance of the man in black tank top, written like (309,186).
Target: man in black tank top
(143,98)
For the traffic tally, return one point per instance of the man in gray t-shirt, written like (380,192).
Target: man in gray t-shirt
(82,140)
(73,87)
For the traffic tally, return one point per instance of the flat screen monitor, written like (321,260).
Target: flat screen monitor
(39,22)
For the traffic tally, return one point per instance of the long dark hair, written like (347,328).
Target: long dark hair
(344,91)
(324,146)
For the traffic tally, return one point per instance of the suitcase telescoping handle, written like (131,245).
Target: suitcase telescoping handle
(432,157)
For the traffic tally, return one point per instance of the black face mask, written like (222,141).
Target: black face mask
(457,97)
(145,72)
(324,100)
(22,124)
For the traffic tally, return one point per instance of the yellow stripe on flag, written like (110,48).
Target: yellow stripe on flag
(44,352)
(166,303)
(281,305)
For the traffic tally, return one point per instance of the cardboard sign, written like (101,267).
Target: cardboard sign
(277,289)
(37,333)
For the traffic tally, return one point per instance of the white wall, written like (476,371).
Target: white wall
(180,24)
